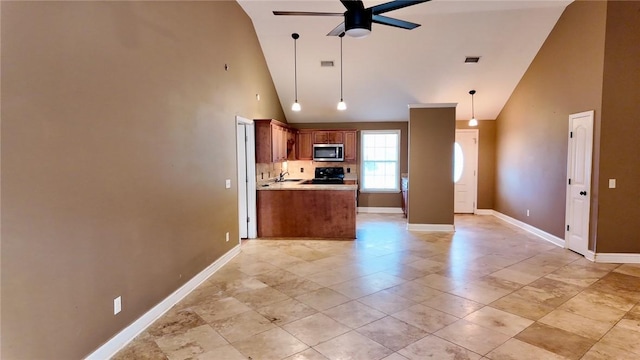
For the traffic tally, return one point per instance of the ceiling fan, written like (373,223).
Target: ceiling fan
(358,19)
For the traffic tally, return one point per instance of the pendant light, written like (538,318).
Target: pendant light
(296,104)
(473,121)
(341,105)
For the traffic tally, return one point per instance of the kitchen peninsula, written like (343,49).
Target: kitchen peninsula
(299,209)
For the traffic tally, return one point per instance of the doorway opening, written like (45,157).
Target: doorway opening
(246,157)
(578,203)
(465,170)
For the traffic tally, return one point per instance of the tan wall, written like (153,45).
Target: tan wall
(486,160)
(618,210)
(531,150)
(117,135)
(372,199)
(431,138)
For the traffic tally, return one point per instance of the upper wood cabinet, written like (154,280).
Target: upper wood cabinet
(275,141)
(304,145)
(350,145)
(328,137)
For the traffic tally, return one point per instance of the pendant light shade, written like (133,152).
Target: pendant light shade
(473,121)
(341,105)
(296,105)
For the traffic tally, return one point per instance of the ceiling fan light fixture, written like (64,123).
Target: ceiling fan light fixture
(358,32)
(358,22)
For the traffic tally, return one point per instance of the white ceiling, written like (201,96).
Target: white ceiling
(392,67)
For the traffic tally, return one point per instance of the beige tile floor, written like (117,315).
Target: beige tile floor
(488,291)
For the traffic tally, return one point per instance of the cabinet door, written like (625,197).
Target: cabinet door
(350,146)
(291,144)
(264,143)
(320,137)
(328,137)
(305,145)
(336,137)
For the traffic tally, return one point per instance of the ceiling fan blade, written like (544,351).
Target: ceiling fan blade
(337,31)
(306,13)
(353,4)
(385,20)
(394,5)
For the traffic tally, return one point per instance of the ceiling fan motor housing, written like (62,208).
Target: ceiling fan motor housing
(357,19)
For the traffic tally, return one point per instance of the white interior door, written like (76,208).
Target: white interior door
(245,140)
(579,181)
(465,171)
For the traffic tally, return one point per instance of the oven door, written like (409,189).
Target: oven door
(328,152)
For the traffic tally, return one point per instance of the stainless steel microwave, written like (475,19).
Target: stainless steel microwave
(328,152)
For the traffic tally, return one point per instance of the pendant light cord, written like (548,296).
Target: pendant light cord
(341,99)
(473,109)
(295,66)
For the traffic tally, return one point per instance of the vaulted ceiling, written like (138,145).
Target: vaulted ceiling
(393,67)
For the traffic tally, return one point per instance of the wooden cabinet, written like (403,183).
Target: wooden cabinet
(328,137)
(273,141)
(304,145)
(350,146)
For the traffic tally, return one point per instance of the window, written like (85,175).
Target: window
(380,160)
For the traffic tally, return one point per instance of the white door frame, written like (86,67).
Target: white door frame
(573,185)
(476,133)
(249,183)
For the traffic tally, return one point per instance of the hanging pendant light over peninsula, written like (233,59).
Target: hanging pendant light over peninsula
(473,121)
(296,105)
(341,105)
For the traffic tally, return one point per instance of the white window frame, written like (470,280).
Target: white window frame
(396,189)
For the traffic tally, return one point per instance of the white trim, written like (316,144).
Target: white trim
(432,105)
(542,234)
(380,210)
(430,227)
(484,212)
(398,134)
(121,339)
(590,255)
(617,258)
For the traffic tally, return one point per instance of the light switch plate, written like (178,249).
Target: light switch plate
(117,305)
(227,183)
(612,183)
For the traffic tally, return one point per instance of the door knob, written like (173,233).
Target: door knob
(583,193)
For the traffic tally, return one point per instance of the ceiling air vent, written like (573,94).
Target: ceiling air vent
(471,59)
(326,63)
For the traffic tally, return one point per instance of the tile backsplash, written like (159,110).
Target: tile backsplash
(300,169)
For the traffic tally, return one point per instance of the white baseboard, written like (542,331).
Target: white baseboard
(121,339)
(617,258)
(380,210)
(484,211)
(534,230)
(430,227)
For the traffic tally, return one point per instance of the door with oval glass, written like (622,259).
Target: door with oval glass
(465,171)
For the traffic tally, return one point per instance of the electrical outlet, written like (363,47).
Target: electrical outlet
(227,183)
(527,212)
(117,305)
(226,236)
(348,170)
(612,183)
(301,170)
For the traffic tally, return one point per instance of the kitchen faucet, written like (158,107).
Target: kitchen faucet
(281,176)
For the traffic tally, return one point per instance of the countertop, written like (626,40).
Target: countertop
(297,185)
